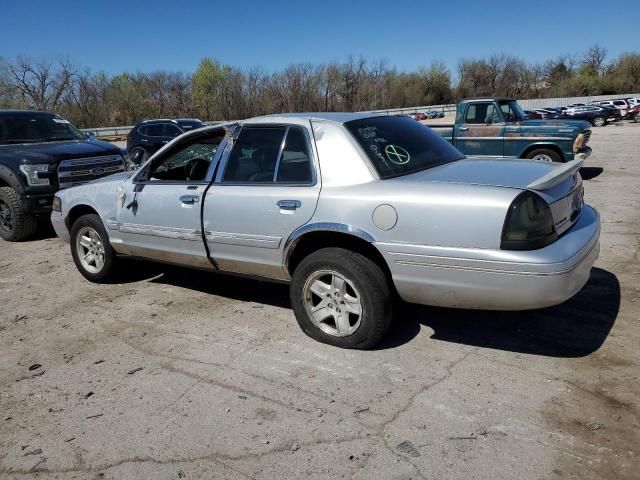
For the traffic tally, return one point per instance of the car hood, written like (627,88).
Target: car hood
(55,152)
(514,173)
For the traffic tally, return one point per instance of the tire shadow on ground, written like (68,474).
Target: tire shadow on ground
(576,328)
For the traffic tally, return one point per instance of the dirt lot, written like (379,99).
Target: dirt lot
(175,374)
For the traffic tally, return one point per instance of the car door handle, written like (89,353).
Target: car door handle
(189,199)
(289,204)
(463,129)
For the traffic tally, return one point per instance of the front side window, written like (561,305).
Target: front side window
(187,163)
(482,113)
(513,112)
(155,130)
(399,145)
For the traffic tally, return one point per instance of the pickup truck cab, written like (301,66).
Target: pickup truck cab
(498,127)
(41,153)
(350,209)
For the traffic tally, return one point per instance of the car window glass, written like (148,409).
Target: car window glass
(254,155)
(188,162)
(144,130)
(155,130)
(171,130)
(294,165)
(482,113)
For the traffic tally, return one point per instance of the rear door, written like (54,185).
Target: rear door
(481,130)
(266,188)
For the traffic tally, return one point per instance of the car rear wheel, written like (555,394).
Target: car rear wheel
(91,250)
(15,223)
(636,117)
(544,155)
(342,298)
(599,121)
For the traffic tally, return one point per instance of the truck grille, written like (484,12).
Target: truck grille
(587,136)
(83,170)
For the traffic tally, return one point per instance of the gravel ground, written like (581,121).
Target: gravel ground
(179,374)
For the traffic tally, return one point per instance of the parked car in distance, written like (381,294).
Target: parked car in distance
(350,209)
(633,101)
(621,105)
(634,113)
(534,115)
(41,153)
(149,136)
(498,127)
(597,115)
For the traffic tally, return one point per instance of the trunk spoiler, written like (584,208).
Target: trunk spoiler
(556,176)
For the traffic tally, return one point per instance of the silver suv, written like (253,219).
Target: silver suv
(351,210)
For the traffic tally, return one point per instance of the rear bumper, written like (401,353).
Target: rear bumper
(497,279)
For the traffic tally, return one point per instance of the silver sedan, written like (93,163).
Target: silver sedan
(351,210)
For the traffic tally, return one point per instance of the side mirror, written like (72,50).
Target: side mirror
(91,135)
(488,120)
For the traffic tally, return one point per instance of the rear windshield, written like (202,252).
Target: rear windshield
(400,145)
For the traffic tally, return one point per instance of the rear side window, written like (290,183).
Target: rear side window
(155,130)
(268,155)
(254,155)
(295,164)
(399,145)
(171,130)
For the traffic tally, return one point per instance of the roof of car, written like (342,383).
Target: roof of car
(26,112)
(338,117)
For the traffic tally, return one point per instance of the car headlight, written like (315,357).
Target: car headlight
(56,205)
(529,224)
(578,144)
(32,171)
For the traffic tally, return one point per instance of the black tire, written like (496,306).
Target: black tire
(109,269)
(15,223)
(370,283)
(138,156)
(550,155)
(636,118)
(599,121)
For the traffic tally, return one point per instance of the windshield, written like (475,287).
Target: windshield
(512,111)
(31,127)
(399,145)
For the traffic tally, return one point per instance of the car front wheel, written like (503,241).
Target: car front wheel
(599,121)
(91,250)
(342,298)
(544,155)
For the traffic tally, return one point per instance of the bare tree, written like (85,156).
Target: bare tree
(41,83)
(594,59)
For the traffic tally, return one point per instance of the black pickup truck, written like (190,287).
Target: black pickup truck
(41,153)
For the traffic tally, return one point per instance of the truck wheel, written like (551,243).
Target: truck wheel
(15,224)
(544,155)
(599,121)
(341,298)
(91,250)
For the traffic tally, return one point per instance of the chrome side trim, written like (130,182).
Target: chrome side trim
(298,233)
(164,232)
(244,240)
(538,139)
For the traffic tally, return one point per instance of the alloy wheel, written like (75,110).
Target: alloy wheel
(333,303)
(90,250)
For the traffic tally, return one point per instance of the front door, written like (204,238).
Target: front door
(481,132)
(159,215)
(266,189)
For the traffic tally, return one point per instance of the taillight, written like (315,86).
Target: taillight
(529,224)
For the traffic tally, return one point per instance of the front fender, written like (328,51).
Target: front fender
(9,177)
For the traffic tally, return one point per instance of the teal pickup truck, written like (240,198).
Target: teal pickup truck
(498,127)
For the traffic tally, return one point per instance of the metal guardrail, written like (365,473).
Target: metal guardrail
(527,104)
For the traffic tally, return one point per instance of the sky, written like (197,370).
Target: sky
(115,36)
